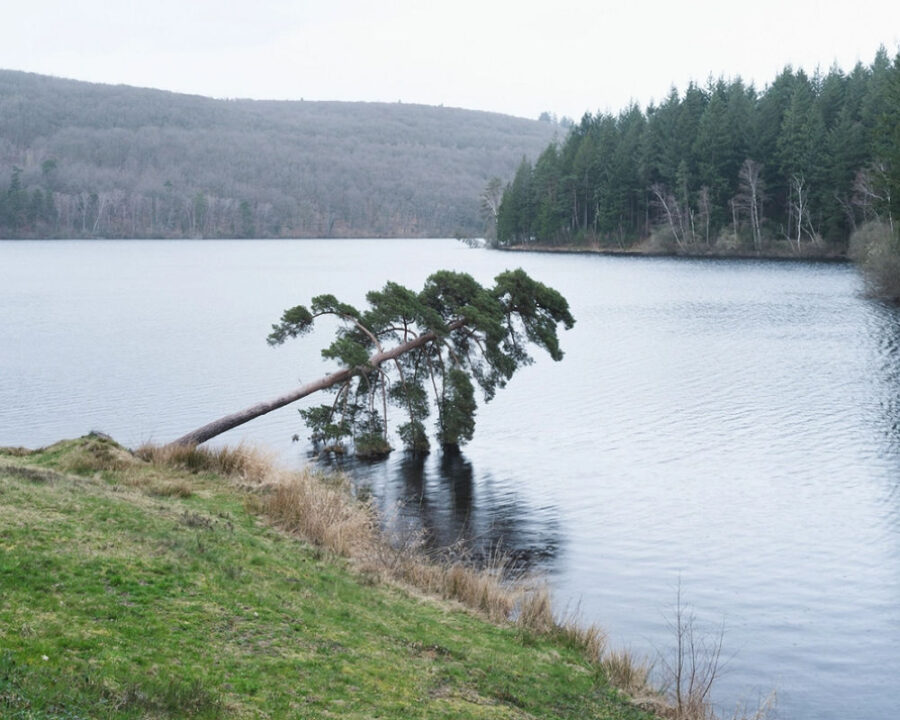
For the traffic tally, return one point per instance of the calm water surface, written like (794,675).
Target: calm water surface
(732,428)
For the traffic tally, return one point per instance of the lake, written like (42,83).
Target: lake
(729,428)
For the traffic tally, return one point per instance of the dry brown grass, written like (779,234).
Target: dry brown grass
(174,488)
(589,637)
(628,672)
(763,710)
(536,612)
(247,463)
(96,453)
(324,513)
(481,590)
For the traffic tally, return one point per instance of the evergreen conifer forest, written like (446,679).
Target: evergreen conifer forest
(793,169)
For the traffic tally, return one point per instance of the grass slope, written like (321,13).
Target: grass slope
(137,591)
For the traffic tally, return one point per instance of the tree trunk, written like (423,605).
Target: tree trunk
(217,427)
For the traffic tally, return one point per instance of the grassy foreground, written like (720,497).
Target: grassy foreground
(137,589)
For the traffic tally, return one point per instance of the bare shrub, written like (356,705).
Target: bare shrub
(691,670)
(876,249)
(696,663)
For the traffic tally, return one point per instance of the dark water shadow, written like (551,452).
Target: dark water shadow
(456,511)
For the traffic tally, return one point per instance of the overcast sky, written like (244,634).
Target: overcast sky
(520,58)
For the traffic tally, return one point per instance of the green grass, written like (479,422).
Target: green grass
(121,600)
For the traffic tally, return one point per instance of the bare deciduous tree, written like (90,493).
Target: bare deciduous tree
(489,205)
(750,197)
(872,192)
(674,213)
(691,670)
(705,207)
(799,219)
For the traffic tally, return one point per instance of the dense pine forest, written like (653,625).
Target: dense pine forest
(86,160)
(794,169)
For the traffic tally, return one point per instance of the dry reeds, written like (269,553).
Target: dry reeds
(590,638)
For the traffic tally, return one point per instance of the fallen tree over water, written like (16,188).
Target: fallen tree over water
(409,349)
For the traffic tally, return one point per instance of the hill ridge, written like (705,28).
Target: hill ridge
(120,161)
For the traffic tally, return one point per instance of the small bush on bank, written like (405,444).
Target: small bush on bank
(876,250)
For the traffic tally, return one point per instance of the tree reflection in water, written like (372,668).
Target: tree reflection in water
(441,498)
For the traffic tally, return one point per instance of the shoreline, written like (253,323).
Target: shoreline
(644,252)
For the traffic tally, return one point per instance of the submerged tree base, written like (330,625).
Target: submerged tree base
(372,449)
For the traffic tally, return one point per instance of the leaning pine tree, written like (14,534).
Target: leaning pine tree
(418,352)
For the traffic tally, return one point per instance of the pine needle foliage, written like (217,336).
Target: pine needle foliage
(426,350)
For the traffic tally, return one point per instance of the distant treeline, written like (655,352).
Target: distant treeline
(86,160)
(794,168)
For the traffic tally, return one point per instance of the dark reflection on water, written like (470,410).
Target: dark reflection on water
(436,496)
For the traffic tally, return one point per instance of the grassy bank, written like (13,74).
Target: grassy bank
(195,585)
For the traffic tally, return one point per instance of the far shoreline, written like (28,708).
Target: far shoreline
(644,252)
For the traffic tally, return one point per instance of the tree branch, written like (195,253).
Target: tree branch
(217,427)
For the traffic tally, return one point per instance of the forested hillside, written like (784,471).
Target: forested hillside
(793,169)
(86,160)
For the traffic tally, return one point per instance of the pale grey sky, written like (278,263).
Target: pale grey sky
(520,58)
